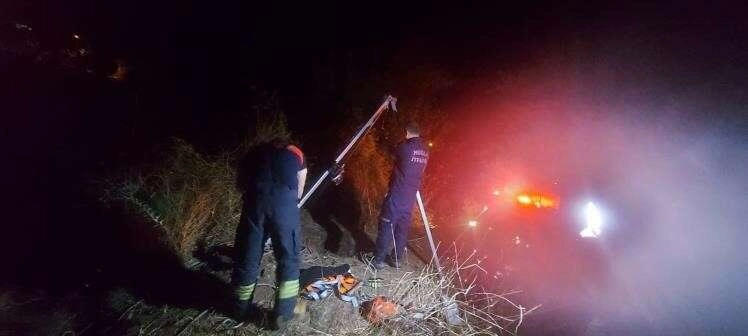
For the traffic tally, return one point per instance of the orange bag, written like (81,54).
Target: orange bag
(379,309)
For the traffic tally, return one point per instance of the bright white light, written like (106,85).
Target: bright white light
(594,220)
(472,223)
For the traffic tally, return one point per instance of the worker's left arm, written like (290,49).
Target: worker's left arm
(301,176)
(301,171)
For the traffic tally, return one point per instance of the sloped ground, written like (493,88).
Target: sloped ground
(330,316)
(147,290)
(153,303)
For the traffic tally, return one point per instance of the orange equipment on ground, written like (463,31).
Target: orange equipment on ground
(379,309)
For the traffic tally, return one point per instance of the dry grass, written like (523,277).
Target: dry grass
(368,169)
(426,296)
(34,314)
(191,196)
(422,294)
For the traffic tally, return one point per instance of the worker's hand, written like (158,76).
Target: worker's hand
(336,173)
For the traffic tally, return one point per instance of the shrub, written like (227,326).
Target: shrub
(419,91)
(368,170)
(190,196)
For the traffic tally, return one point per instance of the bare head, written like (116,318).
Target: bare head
(412,130)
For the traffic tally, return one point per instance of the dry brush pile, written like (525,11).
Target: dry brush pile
(450,302)
(191,197)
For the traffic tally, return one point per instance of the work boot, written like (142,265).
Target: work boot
(240,309)
(392,262)
(281,322)
(243,310)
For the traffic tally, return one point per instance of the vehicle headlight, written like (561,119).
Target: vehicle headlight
(593,218)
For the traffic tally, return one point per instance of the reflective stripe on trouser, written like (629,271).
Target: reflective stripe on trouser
(244,293)
(288,289)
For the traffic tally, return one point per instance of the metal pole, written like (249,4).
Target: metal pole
(394,243)
(451,310)
(428,232)
(313,188)
(364,128)
(389,101)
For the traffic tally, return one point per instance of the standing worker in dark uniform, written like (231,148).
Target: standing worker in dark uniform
(394,218)
(272,177)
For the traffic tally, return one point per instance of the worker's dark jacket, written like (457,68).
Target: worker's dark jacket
(411,158)
(268,177)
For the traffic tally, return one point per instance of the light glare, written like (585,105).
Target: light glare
(593,219)
(524,199)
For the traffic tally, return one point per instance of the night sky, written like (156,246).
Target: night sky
(642,103)
(194,57)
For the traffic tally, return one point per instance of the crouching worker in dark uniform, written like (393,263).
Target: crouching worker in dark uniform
(411,157)
(272,177)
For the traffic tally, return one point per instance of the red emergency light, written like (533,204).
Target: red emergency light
(538,200)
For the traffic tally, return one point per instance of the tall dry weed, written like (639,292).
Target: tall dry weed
(368,169)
